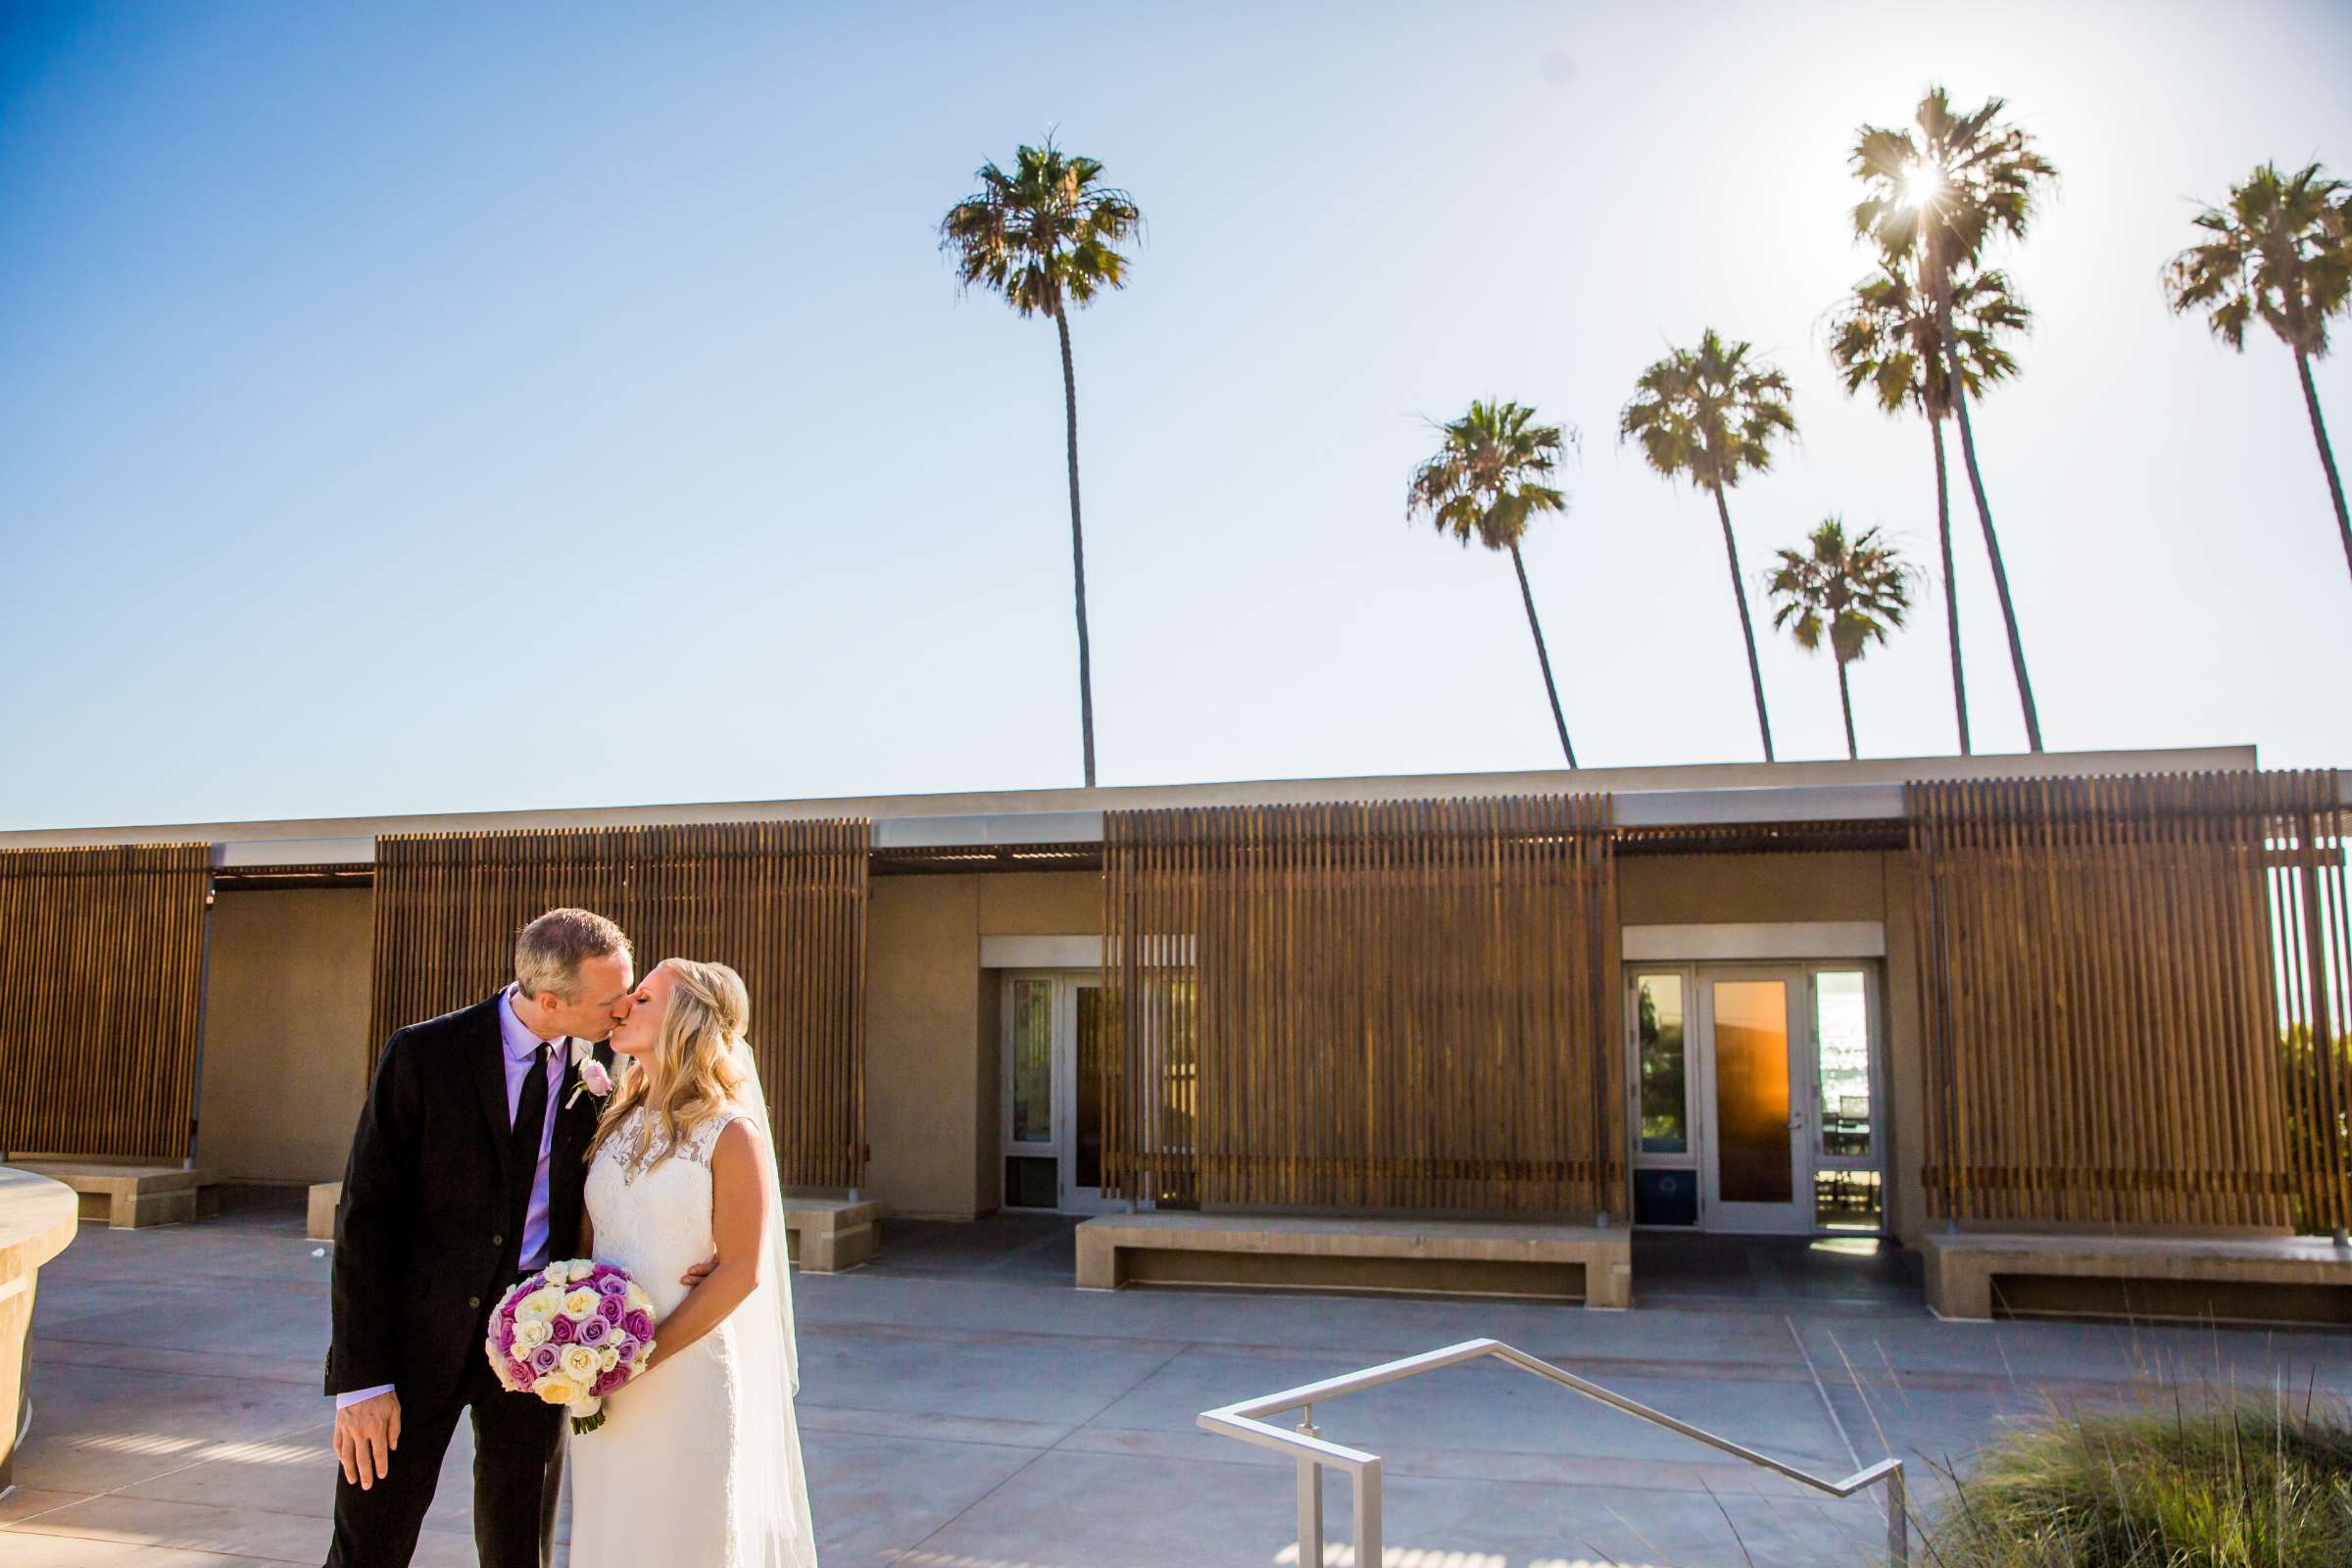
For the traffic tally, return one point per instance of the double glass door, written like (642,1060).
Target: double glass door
(1052,1090)
(1754,1097)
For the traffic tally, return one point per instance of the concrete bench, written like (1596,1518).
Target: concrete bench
(325,1197)
(2275,1279)
(127,1197)
(1434,1256)
(825,1235)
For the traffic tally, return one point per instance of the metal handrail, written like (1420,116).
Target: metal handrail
(1314,1453)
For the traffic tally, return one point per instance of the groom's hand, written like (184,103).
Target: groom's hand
(697,1274)
(366,1434)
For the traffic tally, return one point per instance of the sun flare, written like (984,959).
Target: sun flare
(1923,182)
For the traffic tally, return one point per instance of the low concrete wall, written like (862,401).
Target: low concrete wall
(2275,1279)
(1415,1255)
(37,1222)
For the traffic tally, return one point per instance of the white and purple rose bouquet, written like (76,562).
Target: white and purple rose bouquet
(572,1334)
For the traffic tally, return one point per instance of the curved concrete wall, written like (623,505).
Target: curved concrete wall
(36,1221)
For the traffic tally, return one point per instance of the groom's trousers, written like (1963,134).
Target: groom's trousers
(517,1476)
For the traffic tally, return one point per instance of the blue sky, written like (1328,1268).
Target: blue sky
(417,409)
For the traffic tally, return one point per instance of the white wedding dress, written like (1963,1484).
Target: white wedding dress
(698,1460)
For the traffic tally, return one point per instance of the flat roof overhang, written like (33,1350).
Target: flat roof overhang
(1719,806)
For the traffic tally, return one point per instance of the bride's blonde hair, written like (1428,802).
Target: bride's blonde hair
(702,1061)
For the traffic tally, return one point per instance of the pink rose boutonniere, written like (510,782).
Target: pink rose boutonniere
(594,1080)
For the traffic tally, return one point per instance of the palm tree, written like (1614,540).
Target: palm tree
(1886,336)
(1046,236)
(1708,414)
(1487,483)
(2281,249)
(1940,198)
(1853,592)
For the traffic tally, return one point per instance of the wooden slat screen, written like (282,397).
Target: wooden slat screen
(1406,1004)
(2105,998)
(784,902)
(101,998)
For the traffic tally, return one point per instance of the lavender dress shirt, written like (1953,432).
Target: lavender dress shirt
(518,1045)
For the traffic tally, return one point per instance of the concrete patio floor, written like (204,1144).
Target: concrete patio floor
(964,1407)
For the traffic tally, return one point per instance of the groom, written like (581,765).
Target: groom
(465,1174)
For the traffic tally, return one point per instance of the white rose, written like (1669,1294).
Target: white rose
(538,1306)
(580,1305)
(606,1359)
(579,1365)
(580,1269)
(558,1390)
(531,1334)
(556,1274)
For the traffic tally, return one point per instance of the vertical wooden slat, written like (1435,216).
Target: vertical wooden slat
(2131,998)
(101,985)
(1394,1003)
(784,902)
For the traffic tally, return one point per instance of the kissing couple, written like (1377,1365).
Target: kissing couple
(500,1138)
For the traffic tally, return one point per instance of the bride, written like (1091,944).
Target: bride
(698,1457)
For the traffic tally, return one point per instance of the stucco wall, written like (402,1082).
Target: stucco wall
(932,1068)
(286,1019)
(1696,889)
(922,1056)
(285,1033)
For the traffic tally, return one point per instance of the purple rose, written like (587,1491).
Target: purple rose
(640,1326)
(560,1330)
(544,1360)
(611,1309)
(593,1332)
(505,1339)
(623,1346)
(613,1285)
(608,1381)
(517,1376)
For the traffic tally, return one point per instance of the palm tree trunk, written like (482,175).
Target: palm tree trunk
(1845,701)
(1993,543)
(2319,434)
(1541,658)
(1747,629)
(1951,589)
(1086,667)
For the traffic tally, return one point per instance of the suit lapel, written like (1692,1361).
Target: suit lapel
(488,1059)
(574,1122)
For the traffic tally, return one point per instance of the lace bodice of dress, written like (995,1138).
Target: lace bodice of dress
(650,1202)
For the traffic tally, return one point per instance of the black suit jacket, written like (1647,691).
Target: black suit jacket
(424,1245)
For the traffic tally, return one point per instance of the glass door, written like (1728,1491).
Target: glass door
(1666,1136)
(1848,1152)
(1032,1106)
(1053,1034)
(1753,1095)
(1754,1085)
(1082,1138)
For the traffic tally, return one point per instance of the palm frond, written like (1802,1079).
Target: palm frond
(1850,592)
(1486,480)
(2280,250)
(1046,236)
(1709,414)
(1883,335)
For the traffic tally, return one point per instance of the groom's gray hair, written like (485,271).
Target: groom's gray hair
(549,952)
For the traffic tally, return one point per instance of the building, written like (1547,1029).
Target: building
(2090,994)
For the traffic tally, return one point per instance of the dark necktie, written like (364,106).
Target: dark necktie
(530,1112)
